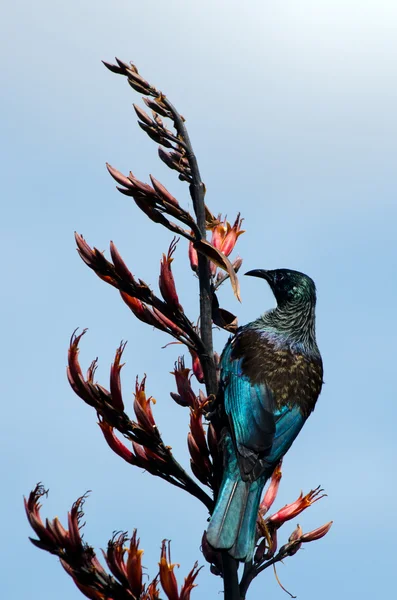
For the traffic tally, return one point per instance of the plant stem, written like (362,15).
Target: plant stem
(197,192)
(248,576)
(230,577)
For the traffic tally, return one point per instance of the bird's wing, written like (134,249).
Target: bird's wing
(262,432)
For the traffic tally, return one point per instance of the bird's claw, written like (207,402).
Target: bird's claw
(210,407)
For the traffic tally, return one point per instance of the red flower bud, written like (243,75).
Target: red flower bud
(120,267)
(142,407)
(163,192)
(294,541)
(119,177)
(296,534)
(318,533)
(193,257)
(237,264)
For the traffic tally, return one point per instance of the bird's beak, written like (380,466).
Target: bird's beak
(260,273)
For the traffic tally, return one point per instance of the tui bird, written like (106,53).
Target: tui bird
(271,377)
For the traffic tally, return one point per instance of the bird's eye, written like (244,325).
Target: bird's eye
(280,277)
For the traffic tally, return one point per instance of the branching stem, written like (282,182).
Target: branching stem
(197,192)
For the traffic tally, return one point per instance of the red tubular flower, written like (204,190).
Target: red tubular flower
(96,261)
(92,393)
(88,592)
(75,542)
(115,444)
(224,236)
(53,537)
(74,372)
(168,324)
(166,279)
(142,312)
(290,511)
(47,539)
(114,557)
(115,384)
(141,457)
(129,571)
(218,234)
(196,367)
(185,396)
(217,238)
(197,431)
(91,371)
(80,562)
(199,463)
(189,584)
(168,579)
(142,407)
(134,566)
(272,490)
(197,443)
(316,534)
(167,576)
(152,592)
(231,236)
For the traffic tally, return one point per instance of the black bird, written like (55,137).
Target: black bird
(271,377)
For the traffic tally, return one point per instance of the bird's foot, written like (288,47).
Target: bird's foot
(210,407)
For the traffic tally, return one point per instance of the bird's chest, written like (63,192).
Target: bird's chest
(293,377)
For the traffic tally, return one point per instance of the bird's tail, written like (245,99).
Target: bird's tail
(233,523)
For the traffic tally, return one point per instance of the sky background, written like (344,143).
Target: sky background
(291,107)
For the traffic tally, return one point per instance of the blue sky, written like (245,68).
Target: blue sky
(291,109)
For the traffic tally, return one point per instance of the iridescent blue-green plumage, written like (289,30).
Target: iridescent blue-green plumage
(271,376)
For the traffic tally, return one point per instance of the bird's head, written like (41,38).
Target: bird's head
(288,286)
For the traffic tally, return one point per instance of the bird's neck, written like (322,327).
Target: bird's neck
(292,324)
